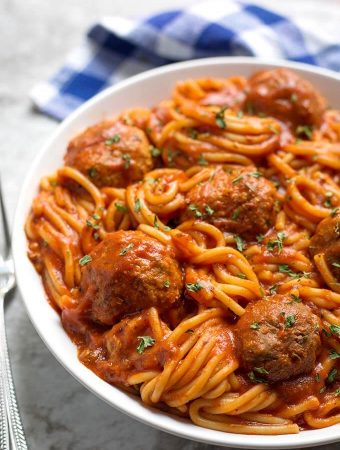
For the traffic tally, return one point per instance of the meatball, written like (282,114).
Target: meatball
(283,94)
(128,272)
(110,154)
(237,200)
(278,339)
(326,241)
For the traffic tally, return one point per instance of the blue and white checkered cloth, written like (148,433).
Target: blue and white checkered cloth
(117,48)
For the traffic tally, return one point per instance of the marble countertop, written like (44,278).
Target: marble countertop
(58,412)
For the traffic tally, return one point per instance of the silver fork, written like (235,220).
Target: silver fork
(12,435)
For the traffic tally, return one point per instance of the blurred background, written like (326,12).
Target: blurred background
(35,36)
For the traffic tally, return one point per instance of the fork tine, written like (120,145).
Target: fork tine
(5,227)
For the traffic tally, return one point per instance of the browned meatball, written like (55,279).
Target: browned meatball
(283,94)
(237,200)
(129,272)
(326,241)
(278,339)
(110,154)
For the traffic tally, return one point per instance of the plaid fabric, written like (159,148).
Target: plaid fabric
(117,47)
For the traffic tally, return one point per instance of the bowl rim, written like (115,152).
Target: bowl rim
(177,426)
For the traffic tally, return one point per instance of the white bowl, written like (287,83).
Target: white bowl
(145,89)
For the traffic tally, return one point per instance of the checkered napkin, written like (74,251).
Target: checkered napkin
(117,48)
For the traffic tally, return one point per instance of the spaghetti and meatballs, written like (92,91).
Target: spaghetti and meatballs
(192,250)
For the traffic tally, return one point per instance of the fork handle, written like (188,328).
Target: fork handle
(16,429)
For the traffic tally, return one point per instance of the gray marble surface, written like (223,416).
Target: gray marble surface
(58,413)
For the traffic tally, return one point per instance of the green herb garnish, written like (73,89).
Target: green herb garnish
(290,321)
(145,341)
(333,354)
(237,179)
(236,214)
(202,161)
(194,287)
(240,244)
(92,225)
(155,152)
(192,207)
(113,140)
(85,260)
(219,118)
(277,243)
(209,210)
(121,208)
(138,205)
(332,375)
(127,160)
(126,249)
(305,130)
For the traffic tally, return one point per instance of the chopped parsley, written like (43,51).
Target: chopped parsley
(121,208)
(209,210)
(277,243)
(317,378)
(155,152)
(254,378)
(150,180)
(236,214)
(92,225)
(335,329)
(96,217)
(194,287)
(240,114)
(273,289)
(138,205)
(261,370)
(256,174)
(336,264)
(127,160)
(295,298)
(290,321)
(333,354)
(240,244)
(254,326)
(219,118)
(237,179)
(334,212)
(327,202)
(166,284)
(337,392)
(192,207)
(259,238)
(113,140)
(284,268)
(322,390)
(241,275)
(96,236)
(85,260)
(332,375)
(145,341)
(304,130)
(126,249)
(155,222)
(202,161)
(92,172)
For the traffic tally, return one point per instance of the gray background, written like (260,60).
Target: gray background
(58,413)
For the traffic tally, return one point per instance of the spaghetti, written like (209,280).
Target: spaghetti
(204,273)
